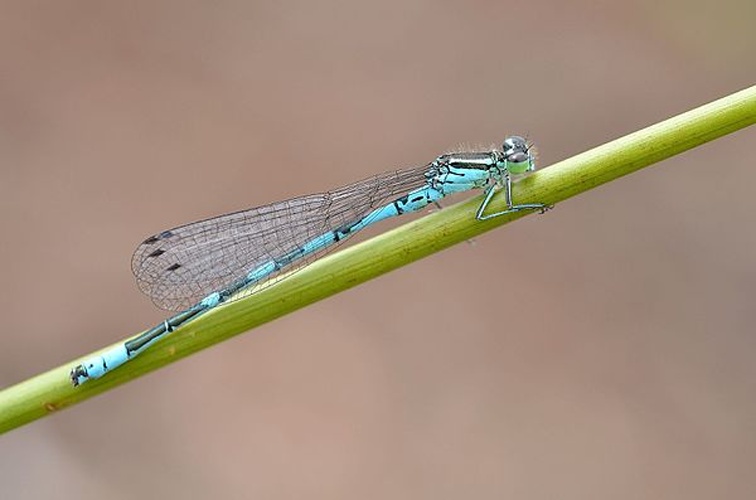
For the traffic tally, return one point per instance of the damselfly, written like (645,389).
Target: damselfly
(198,266)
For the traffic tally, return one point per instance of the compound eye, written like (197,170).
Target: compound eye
(518,157)
(515,143)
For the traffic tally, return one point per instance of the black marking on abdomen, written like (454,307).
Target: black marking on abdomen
(399,208)
(289,258)
(345,230)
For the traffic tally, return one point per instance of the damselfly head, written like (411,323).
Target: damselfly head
(517,155)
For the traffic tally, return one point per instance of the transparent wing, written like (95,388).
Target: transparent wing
(179,267)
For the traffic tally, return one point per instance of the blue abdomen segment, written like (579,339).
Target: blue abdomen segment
(261,272)
(97,366)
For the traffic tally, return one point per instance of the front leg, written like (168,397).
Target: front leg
(511,207)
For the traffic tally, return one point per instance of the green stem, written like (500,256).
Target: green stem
(51,391)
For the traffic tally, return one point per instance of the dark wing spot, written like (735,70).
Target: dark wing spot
(173,267)
(154,239)
(157,253)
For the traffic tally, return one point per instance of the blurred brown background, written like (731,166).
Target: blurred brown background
(602,351)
